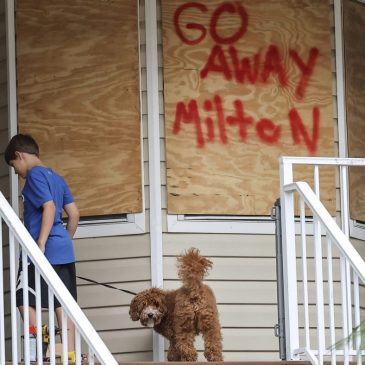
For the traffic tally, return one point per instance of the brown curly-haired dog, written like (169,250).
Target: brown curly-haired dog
(180,315)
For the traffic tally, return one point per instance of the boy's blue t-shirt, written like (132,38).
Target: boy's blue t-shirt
(42,185)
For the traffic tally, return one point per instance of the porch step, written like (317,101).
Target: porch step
(280,362)
(200,363)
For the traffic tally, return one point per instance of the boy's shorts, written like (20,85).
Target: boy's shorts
(67,274)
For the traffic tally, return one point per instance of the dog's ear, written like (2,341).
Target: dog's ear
(133,309)
(161,301)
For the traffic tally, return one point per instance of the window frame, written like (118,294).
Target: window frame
(262,224)
(135,223)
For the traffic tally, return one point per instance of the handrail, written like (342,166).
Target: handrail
(335,161)
(63,295)
(348,268)
(342,242)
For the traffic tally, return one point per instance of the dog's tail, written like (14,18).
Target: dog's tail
(192,268)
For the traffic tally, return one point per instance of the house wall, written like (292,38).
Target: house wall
(123,261)
(243,275)
(243,278)
(4,171)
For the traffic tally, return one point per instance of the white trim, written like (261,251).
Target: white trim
(341,114)
(330,161)
(340,81)
(357,229)
(229,225)
(154,161)
(55,284)
(135,223)
(12,96)
(250,225)
(12,130)
(220,224)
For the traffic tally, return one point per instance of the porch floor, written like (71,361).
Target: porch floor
(199,363)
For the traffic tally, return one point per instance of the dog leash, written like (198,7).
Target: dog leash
(106,285)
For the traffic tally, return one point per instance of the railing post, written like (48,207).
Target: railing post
(280,326)
(2,315)
(289,260)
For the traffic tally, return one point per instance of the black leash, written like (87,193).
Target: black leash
(107,285)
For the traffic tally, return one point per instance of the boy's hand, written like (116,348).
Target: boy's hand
(42,246)
(73,217)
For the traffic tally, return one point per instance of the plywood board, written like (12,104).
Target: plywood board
(353,28)
(78,95)
(244,83)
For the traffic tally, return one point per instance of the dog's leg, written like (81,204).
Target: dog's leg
(212,346)
(184,327)
(173,353)
(185,345)
(212,337)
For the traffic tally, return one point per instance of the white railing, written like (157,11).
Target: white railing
(86,336)
(324,279)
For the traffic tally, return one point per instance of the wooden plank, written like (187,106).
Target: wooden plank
(3,74)
(3,47)
(117,270)
(353,25)
(141,340)
(238,292)
(146,356)
(78,95)
(100,296)
(3,134)
(231,316)
(128,341)
(93,295)
(250,292)
(4,168)
(112,247)
(4,121)
(233,245)
(4,185)
(252,356)
(226,128)
(241,268)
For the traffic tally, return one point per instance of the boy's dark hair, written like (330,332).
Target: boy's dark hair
(21,143)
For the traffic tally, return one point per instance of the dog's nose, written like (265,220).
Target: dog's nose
(150,315)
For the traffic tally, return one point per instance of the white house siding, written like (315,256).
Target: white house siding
(4,170)
(243,276)
(122,261)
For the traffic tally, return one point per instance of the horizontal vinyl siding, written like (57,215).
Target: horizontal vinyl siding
(243,276)
(121,261)
(4,169)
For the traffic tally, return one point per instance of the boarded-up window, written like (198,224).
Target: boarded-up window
(245,82)
(354,22)
(78,95)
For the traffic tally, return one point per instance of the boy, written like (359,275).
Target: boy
(45,194)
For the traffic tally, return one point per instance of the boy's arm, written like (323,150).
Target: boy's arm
(49,211)
(73,218)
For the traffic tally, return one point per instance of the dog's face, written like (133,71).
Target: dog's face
(149,307)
